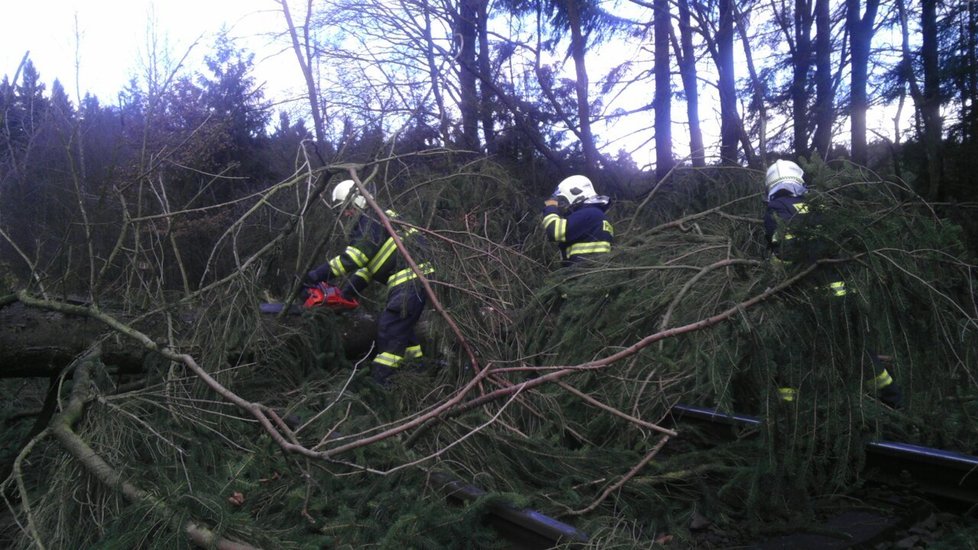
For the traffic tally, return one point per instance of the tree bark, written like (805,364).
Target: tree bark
(39,343)
(687,68)
(578,48)
(801,57)
(485,68)
(663,90)
(303,54)
(729,119)
(931,108)
(468,99)
(860,27)
(824,91)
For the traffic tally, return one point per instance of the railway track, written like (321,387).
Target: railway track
(947,477)
(909,486)
(945,474)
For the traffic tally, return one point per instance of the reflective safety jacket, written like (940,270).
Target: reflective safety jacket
(583,234)
(373,256)
(791,227)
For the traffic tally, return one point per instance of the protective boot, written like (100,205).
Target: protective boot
(381,375)
(892,396)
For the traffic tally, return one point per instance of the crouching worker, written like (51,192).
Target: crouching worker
(787,217)
(372,256)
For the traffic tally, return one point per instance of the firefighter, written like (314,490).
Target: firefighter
(372,256)
(789,221)
(574,218)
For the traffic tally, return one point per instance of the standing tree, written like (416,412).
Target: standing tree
(663,89)
(824,88)
(686,56)
(861,28)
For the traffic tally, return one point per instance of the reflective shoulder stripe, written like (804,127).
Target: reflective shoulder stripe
(588,248)
(606,225)
(838,288)
(787,394)
(882,380)
(801,207)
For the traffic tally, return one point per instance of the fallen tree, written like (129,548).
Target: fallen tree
(41,342)
(563,410)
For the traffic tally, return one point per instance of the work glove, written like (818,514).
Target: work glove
(318,274)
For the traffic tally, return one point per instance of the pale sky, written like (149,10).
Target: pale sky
(113,46)
(113,38)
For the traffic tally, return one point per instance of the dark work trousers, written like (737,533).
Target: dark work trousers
(396,337)
(844,331)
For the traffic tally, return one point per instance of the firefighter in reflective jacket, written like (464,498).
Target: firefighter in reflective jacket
(788,211)
(373,256)
(574,218)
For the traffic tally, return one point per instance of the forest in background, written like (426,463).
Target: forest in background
(143,390)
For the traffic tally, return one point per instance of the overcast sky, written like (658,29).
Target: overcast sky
(113,37)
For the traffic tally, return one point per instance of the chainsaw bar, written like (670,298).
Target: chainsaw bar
(277,308)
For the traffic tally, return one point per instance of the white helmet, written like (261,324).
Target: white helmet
(346,189)
(575,189)
(785,175)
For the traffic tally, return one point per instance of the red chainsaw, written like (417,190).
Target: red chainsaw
(327,295)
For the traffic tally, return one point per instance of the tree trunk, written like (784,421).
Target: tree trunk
(663,90)
(468,99)
(861,33)
(824,91)
(578,48)
(729,119)
(800,63)
(933,126)
(485,67)
(435,76)
(971,117)
(39,343)
(303,54)
(687,69)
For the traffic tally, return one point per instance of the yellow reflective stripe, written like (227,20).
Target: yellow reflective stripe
(787,394)
(406,275)
(382,255)
(388,359)
(838,288)
(882,380)
(801,207)
(357,256)
(336,266)
(550,218)
(364,274)
(559,226)
(413,352)
(606,225)
(386,250)
(588,248)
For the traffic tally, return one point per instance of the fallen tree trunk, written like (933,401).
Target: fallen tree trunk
(40,342)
